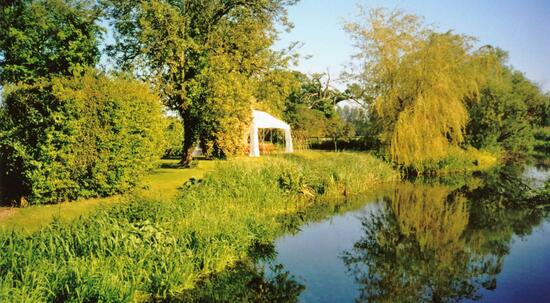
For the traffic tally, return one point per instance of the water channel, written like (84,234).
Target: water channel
(484,238)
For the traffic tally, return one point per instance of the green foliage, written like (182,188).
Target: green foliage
(460,160)
(226,113)
(315,92)
(146,250)
(305,122)
(311,110)
(417,81)
(338,128)
(508,108)
(357,117)
(42,38)
(205,57)
(173,137)
(542,141)
(91,135)
(273,89)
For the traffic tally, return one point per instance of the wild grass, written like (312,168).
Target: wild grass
(154,249)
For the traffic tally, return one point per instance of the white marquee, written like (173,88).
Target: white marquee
(265,120)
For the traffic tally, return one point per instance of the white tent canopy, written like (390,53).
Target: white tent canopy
(265,120)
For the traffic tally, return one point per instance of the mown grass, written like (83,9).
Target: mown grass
(162,183)
(155,249)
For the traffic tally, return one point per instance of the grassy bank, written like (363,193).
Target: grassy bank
(155,248)
(161,184)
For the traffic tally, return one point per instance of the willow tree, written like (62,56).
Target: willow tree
(417,82)
(203,56)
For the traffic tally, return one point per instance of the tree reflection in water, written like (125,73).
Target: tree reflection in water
(442,243)
(248,282)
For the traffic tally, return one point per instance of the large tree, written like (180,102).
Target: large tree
(417,82)
(42,38)
(203,56)
(310,108)
(509,108)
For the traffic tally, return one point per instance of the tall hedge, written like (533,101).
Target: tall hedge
(85,136)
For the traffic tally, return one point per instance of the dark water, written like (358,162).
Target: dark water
(484,238)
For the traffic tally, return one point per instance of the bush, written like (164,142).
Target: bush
(173,136)
(85,136)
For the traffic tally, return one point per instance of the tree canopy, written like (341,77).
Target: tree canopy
(204,56)
(43,38)
(509,108)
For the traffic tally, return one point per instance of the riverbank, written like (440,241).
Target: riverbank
(162,183)
(153,248)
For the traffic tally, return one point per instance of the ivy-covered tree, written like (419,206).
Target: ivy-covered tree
(203,56)
(43,38)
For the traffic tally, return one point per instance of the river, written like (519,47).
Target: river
(484,238)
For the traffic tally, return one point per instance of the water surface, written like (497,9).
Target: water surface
(485,238)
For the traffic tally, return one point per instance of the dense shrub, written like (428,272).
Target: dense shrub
(85,136)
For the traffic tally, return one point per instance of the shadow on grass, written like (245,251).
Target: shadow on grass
(174,163)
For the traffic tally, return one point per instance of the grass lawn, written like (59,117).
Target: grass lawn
(162,183)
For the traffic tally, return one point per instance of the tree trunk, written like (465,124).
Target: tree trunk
(187,155)
(189,142)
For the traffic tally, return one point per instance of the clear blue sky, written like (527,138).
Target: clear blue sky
(520,27)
